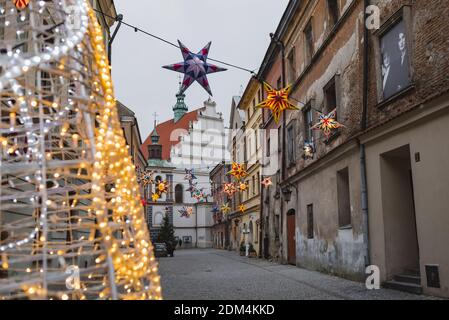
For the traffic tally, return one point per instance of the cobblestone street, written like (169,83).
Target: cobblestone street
(217,274)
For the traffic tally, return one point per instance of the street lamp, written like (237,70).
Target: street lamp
(287,192)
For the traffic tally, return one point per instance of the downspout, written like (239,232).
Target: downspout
(364,185)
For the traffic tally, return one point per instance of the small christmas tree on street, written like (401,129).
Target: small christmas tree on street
(167,233)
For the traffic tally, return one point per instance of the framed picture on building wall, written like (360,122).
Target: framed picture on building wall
(395,60)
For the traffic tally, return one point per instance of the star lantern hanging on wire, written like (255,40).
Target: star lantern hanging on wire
(194,67)
(199,195)
(243,186)
(229,189)
(277,101)
(146,177)
(267,182)
(185,212)
(225,208)
(190,176)
(327,123)
(155,197)
(242,208)
(21,4)
(162,187)
(215,210)
(309,150)
(238,171)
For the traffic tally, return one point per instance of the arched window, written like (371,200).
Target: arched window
(179,193)
(158,219)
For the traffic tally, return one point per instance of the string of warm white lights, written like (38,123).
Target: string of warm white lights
(69,198)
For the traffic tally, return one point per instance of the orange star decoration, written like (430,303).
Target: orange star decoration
(267,182)
(21,4)
(327,123)
(242,208)
(238,171)
(162,187)
(277,101)
(229,189)
(155,197)
(243,186)
(225,208)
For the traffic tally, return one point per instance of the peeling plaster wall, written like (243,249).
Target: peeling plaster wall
(332,250)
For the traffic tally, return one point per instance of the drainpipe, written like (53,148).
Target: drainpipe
(364,185)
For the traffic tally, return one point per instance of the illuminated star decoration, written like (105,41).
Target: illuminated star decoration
(243,186)
(225,208)
(190,176)
(146,177)
(21,4)
(199,195)
(277,101)
(155,197)
(229,189)
(194,68)
(327,123)
(267,182)
(162,187)
(309,150)
(238,171)
(186,212)
(242,208)
(192,187)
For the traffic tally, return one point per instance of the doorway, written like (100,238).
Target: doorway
(291,238)
(401,239)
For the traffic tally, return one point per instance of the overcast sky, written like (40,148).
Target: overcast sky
(239,31)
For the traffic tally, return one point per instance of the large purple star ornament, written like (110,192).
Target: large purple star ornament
(194,67)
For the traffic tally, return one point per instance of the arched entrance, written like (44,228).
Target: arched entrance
(291,238)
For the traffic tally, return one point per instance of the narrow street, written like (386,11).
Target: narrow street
(201,274)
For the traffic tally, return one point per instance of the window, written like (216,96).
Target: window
(268,147)
(334,11)
(179,193)
(158,217)
(330,96)
(187,239)
(308,35)
(279,83)
(292,66)
(310,221)
(253,185)
(344,204)
(291,144)
(395,65)
(308,123)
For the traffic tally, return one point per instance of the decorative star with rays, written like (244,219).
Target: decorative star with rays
(277,101)
(242,208)
(215,210)
(327,123)
(155,197)
(190,176)
(229,189)
(186,212)
(146,177)
(238,171)
(267,182)
(162,187)
(225,208)
(243,186)
(194,68)
(21,4)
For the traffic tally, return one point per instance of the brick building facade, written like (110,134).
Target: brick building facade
(374,192)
